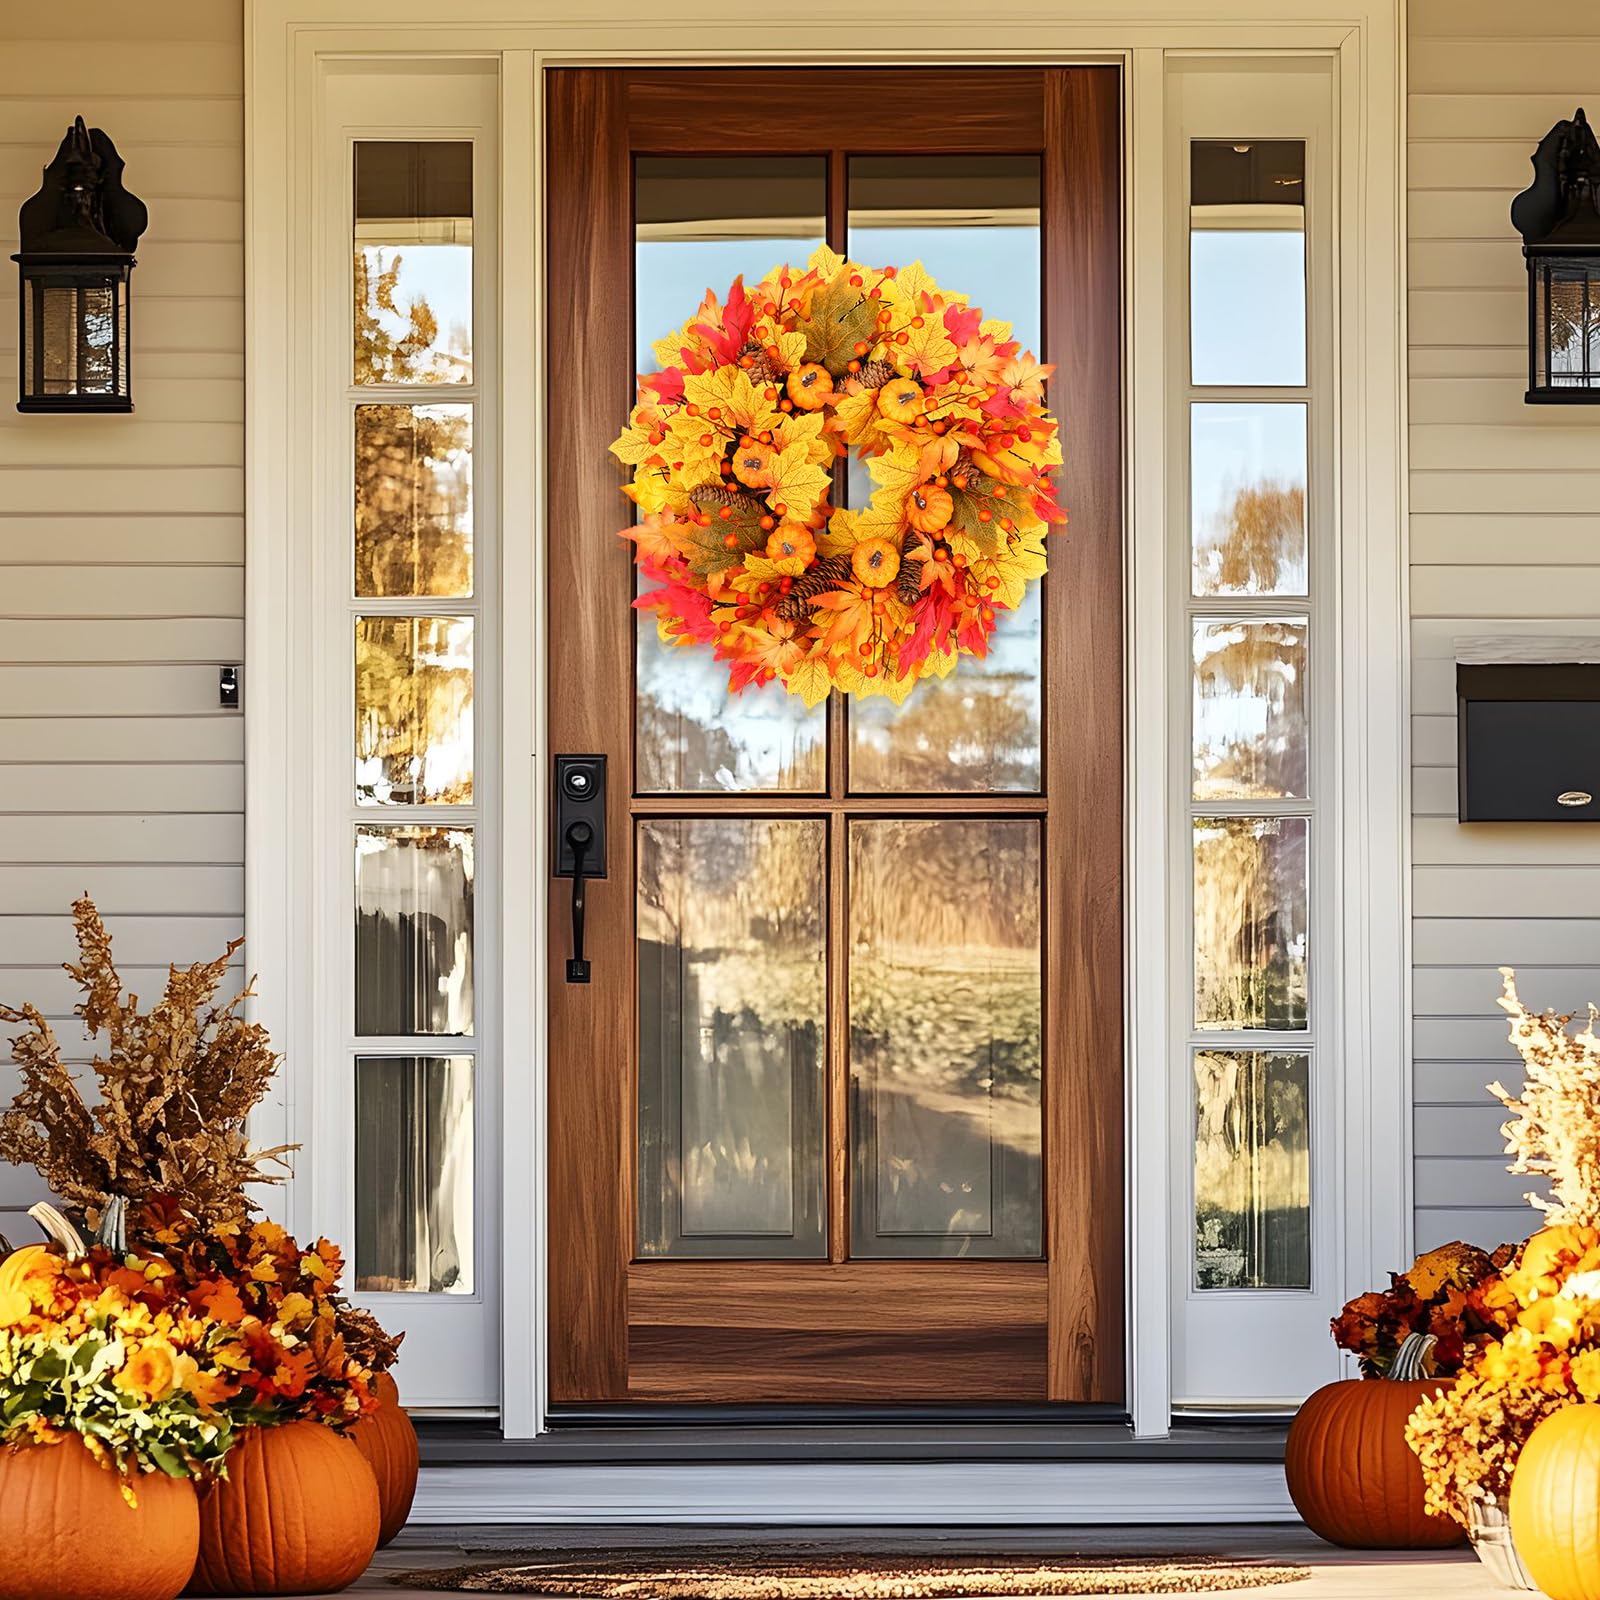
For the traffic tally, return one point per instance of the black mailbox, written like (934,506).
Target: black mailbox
(1528,741)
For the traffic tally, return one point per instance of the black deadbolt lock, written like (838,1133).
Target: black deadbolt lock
(580,843)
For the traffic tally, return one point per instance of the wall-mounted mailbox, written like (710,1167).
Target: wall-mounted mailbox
(1529,741)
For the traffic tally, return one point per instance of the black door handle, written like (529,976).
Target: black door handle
(579,836)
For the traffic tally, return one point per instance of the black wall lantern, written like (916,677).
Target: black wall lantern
(78,235)
(1558,216)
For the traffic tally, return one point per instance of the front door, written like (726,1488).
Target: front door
(839,1116)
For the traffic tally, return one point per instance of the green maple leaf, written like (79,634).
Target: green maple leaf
(841,318)
(706,549)
(980,495)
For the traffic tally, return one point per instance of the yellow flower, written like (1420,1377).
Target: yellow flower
(149,1373)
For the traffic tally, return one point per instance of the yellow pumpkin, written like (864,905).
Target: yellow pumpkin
(875,562)
(930,508)
(902,400)
(68,1534)
(21,1264)
(1555,1504)
(810,386)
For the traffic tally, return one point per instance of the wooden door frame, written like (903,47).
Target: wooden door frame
(1072,114)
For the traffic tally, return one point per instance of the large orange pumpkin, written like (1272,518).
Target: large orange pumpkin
(297,1514)
(68,1534)
(1352,1476)
(389,1442)
(1555,1504)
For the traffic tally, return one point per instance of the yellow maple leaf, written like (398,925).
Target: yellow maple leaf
(856,416)
(730,390)
(810,679)
(994,328)
(633,446)
(927,349)
(804,426)
(791,349)
(909,284)
(797,482)
(825,262)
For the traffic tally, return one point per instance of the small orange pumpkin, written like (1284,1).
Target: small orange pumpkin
(1555,1504)
(69,1535)
(752,463)
(902,400)
(389,1442)
(297,1514)
(810,386)
(1353,1477)
(791,541)
(930,508)
(875,562)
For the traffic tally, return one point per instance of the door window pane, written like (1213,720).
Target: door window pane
(1252,1170)
(732,1007)
(1248,498)
(973,222)
(413,262)
(413,506)
(1250,731)
(414,710)
(1250,922)
(1247,262)
(414,889)
(945,1037)
(413,1178)
(701,221)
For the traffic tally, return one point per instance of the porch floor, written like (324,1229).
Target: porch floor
(1336,1574)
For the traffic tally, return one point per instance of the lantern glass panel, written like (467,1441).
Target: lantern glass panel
(75,337)
(1568,316)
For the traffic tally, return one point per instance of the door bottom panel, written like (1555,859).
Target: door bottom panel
(767,1332)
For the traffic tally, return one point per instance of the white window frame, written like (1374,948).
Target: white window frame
(289,44)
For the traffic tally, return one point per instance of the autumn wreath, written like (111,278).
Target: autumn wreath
(733,441)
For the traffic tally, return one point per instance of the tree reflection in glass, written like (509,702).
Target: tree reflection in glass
(1250,922)
(414,710)
(1248,498)
(945,1041)
(1250,708)
(1252,1170)
(413,500)
(732,1007)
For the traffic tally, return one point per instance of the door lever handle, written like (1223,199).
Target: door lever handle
(579,837)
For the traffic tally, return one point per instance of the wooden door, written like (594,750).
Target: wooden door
(839,1118)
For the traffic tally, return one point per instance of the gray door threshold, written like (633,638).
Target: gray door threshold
(447,1444)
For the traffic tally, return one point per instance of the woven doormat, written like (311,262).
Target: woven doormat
(753,1574)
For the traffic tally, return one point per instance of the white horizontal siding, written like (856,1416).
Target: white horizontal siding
(1504,541)
(122,538)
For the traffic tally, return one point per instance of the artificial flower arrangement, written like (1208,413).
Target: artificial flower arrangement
(1440,1298)
(1469,1438)
(732,445)
(164,1325)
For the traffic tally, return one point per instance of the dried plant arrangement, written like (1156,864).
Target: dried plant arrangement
(1554,1130)
(176,1084)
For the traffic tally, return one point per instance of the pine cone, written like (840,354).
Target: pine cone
(717,494)
(824,576)
(908,582)
(762,368)
(875,374)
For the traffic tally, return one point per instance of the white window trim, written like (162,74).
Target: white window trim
(284,41)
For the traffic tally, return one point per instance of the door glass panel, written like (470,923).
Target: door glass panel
(1250,922)
(413,500)
(973,222)
(732,1006)
(413,262)
(1252,1170)
(944,995)
(1247,262)
(1250,708)
(414,710)
(701,221)
(413,1179)
(413,931)
(1247,498)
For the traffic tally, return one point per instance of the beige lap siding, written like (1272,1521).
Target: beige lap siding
(1505,541)
(122,538)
